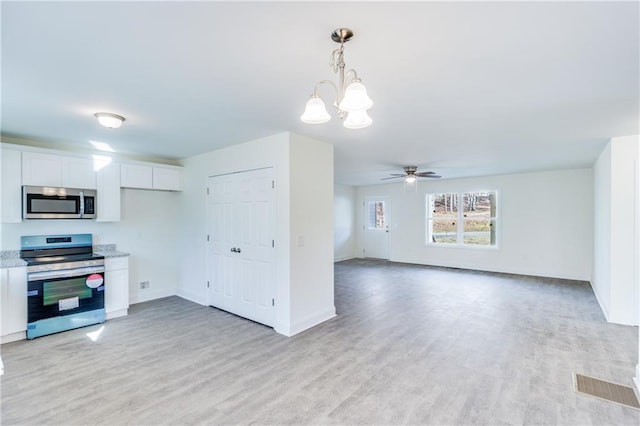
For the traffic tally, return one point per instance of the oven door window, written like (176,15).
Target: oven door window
(54,291)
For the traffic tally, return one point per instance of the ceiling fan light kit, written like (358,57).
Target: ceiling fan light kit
(352,100)
(107,119)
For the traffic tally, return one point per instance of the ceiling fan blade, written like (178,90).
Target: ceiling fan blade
(393,177)
(432,176)
(423,174)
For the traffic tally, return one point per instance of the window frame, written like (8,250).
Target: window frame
(460,219)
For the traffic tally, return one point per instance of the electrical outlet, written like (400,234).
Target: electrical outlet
(144,285)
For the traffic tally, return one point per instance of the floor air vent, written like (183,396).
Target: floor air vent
(608,391)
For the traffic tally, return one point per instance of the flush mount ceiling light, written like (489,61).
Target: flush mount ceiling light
(352,101)
(107,119)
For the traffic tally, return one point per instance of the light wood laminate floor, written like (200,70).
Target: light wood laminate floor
(411,345)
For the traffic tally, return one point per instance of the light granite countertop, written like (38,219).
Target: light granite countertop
(11,258)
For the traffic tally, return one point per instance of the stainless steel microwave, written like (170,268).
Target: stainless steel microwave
(44,202)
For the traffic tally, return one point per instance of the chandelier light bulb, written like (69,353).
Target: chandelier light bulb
(357,120)
(356,98)
(352,101)
(107,119)
(315,112)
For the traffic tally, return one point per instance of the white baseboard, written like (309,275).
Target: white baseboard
(340,259)
(192,297)
(145,295)
(13,337)
(604,308)
(306,322)
(117,314)
(622,318)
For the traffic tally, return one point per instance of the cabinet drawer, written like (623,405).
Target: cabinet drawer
(114,263)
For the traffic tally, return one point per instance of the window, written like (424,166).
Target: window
(465,218)
(376,215)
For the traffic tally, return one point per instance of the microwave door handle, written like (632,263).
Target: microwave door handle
(81,204)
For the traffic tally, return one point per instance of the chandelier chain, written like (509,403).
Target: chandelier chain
(336,60)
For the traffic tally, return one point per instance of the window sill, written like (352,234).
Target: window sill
(463,246)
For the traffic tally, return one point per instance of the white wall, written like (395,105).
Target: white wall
(146,231)
(344,216)
(271,151)
(296,203)
(615,233)
(602,230)
(637,258)
(311,224)
(545,224)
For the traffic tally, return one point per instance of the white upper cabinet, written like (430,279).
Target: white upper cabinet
(166,178)
(108,186)
(78,173)
(40,169)
(136,176)
(11,190)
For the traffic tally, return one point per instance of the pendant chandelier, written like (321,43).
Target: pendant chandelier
(351,102)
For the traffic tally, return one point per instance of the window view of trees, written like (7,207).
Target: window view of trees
(467,218)
(376,215)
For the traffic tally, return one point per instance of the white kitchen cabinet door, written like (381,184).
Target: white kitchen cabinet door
(13,302)
(108,186)
(78,173)
(41,169)
(168,179)
(116,297)
(136,176)
(11,196)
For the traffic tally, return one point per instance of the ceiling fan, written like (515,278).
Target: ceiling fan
(411,174)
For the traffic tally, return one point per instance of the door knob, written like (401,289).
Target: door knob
(233,250)
(238,250)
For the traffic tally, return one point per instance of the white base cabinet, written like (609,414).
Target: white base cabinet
(13,303)
(116,296)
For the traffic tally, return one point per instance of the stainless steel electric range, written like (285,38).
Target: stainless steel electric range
(65,282)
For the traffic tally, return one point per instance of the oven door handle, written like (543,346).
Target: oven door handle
(79,272)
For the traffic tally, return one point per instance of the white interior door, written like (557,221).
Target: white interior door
(376,227)
(242,270)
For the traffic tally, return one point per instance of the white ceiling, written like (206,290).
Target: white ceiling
(463,89)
